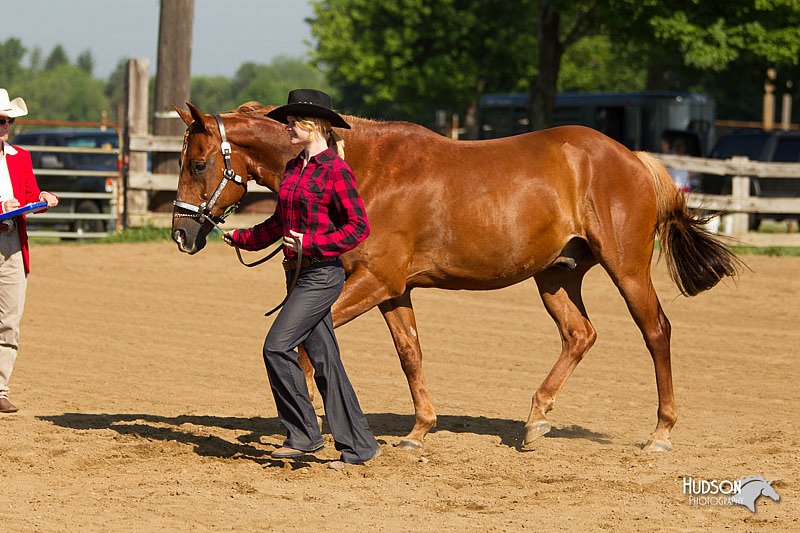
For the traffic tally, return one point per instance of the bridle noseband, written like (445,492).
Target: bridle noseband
(203,210)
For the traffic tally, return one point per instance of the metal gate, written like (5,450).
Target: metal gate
(80,163)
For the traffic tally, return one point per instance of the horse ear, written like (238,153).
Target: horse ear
(197,115)
(186,117)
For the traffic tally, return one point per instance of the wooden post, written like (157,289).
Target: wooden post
(738,223)
(136,110)
(173,75)
(768,118)
(786,108)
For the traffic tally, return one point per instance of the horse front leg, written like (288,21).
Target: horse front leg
(399,315)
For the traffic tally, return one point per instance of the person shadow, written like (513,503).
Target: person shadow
(203,432)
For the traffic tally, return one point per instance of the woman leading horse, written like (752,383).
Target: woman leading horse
(547,205)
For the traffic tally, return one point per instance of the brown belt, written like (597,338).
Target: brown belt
(8,225)
(291,264)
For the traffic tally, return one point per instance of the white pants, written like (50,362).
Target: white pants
(13,283)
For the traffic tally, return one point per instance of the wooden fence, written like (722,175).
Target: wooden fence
(739,205)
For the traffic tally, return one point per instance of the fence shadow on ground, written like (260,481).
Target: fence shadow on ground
(199,431)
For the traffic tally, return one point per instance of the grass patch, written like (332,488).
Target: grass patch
(143,234)
(787,251)
(146,234)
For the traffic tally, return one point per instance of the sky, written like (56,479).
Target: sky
(226,33)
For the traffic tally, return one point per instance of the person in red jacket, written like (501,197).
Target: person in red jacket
(320,216)
(18,187)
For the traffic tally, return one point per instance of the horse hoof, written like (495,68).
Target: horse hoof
(410,444)
(658,446)
(534,431)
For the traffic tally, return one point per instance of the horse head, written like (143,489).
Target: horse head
(770,492)
(212,179)
(751,488)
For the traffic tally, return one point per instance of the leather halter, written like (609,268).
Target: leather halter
(203,210)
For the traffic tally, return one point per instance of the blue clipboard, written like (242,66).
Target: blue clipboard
(34,207)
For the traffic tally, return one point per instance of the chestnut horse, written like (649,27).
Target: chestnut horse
(478,215)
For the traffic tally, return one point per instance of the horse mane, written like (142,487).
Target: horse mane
(251,107)
(254,107)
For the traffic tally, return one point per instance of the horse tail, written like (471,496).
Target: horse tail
(696,258)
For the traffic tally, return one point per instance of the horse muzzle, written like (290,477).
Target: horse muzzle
(189,235)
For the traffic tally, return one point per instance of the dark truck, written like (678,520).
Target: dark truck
(767,146)
(43,160)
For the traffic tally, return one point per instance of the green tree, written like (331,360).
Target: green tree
(594,64)
(56,58)
(35,61)
(11,54)
(85,61)
(212,93)
(269,84)
(675,36)
(114,90)
(406,58)
(64,92)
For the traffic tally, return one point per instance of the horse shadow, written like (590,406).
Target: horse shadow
(250,446)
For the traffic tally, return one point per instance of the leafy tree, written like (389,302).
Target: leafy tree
(269,84)
(212,93)
(114,89)
(675,36)
(35,60)
(56,58)
(11,54)
(64,92)
(85,61)
(594,64)
(406,58)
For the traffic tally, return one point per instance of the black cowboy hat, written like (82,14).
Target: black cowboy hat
(308,103)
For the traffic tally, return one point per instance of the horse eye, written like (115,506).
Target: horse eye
(199,166)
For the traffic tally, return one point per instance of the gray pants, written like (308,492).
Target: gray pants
(306,318)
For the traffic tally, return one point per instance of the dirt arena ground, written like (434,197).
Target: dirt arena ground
(144,406)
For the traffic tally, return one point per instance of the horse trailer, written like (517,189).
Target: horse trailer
(651,121)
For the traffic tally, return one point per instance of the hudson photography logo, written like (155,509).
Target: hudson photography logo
(722,492)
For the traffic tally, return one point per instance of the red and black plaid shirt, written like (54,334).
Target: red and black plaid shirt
(321,202)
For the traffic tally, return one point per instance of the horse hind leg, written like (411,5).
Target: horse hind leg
(640,296)
(399,316)
(561,293)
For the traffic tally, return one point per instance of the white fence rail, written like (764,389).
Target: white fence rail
(739,205)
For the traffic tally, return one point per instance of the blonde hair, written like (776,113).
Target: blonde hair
(316,126)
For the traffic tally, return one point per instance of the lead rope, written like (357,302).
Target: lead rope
(269,256)
(294,280)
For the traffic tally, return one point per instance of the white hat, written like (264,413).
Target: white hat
(13,108)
